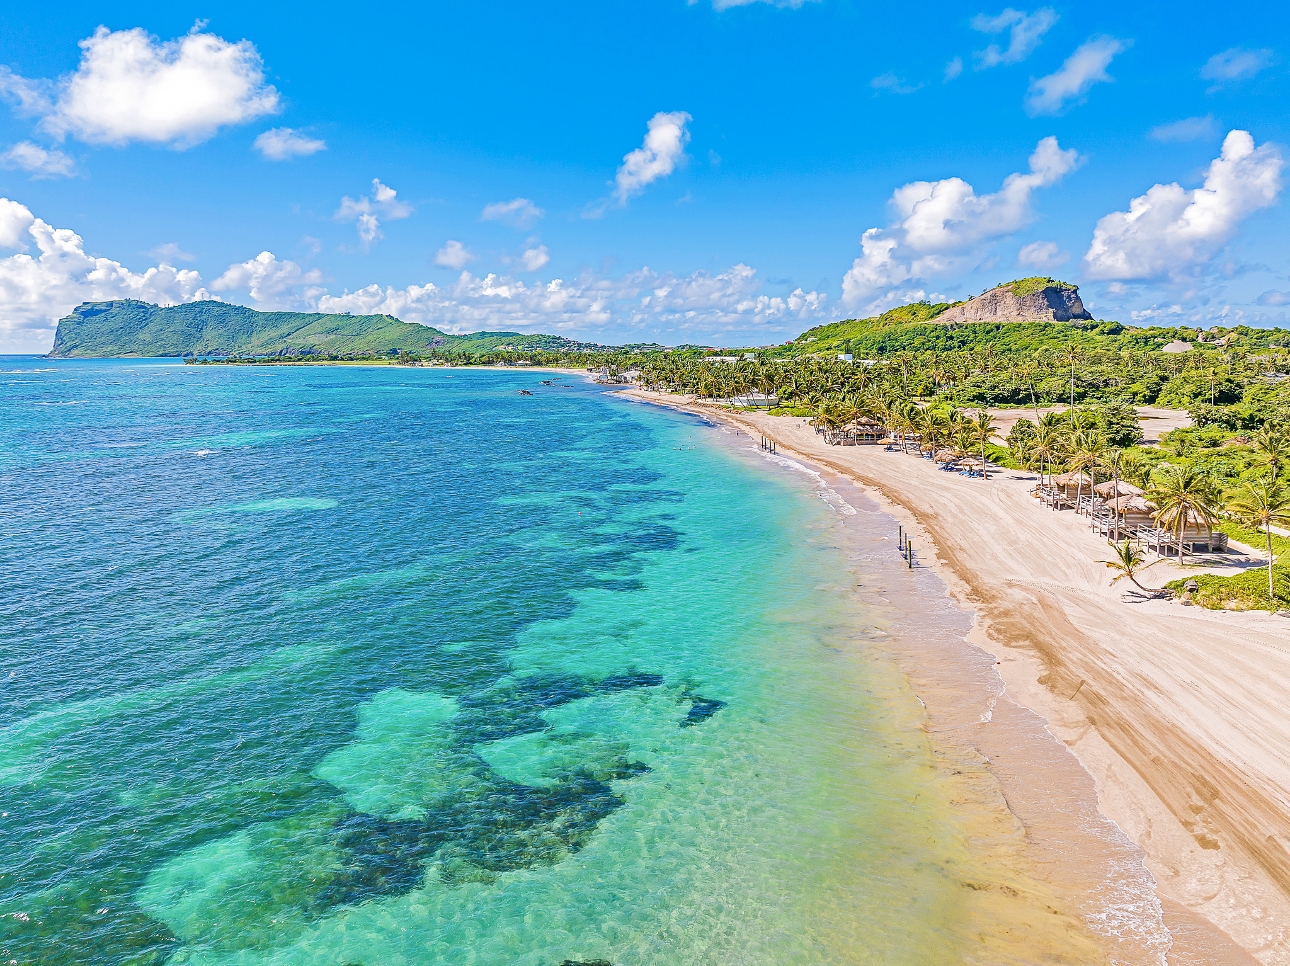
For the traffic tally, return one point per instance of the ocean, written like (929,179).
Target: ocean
(371,666)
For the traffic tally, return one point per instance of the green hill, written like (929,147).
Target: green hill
(209,328)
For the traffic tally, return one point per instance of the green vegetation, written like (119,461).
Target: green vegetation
(1247,590)
(1036,283)
(209,328)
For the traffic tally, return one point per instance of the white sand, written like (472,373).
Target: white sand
(1182,715)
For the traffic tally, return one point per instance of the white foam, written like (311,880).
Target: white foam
(822,489)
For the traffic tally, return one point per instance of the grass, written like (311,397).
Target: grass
(1036,283)
(1244,591)
(1255,539)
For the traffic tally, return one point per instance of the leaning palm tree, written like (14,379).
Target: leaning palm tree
(1183,496)
(1129,562)
(1045,446)
(1263,504)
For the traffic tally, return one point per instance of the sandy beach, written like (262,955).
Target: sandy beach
(1177,713)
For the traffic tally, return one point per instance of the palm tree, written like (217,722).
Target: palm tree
(1271,441)
(1263,504)
(1045,446)
(1087,452)
(982,428)
(1129,562)
(1183,496)
(1111,458)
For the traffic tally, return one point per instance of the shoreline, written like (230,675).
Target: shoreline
(1173,712)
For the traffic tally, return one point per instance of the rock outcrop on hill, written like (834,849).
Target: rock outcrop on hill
(1027,300)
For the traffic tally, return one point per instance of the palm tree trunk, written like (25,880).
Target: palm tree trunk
(1272,592)
(1116,497)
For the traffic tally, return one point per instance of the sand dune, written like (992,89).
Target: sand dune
(1180,714)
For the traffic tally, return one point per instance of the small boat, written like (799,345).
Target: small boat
(546,382)
(525,392)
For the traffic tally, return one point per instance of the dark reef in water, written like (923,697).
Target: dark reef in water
(701,709)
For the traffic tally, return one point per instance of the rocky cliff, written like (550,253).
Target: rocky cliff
(1026,300)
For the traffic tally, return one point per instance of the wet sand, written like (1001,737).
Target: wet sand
(1175,715)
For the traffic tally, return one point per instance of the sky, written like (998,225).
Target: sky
(727,172)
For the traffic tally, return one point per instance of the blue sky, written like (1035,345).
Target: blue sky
(662,170)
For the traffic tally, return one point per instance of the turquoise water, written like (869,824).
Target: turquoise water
(397,666)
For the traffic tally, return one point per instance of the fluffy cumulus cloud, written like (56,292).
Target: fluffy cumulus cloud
(662,150)
(285,143)
(454,255)
(367,211)
(1173,232)
(51,273)
(130,86)
(535,258)
(941,225)
(645,300)
(272,283)
(1081,70)
(37,161)
(1235,64)
(518,212)
(1025,31)
(1042,255)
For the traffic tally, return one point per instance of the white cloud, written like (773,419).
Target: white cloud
(37,161)
(367,212)
(169,253)
(15,221)
(1081,70)
(890,82)
(535,258)
(284,143)
(657,157)
(699,303)
(1188,129)
(1274,298)
(130,86)
(518,212)
(728,4)
(37,290)
(1235,64)
(953,68)
(1042,255)
(271,283)
(1169,231)
(454,255)
(938,223)
(1025,31)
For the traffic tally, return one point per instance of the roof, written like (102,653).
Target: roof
(1130,504)
(1072,479)
(1109,489)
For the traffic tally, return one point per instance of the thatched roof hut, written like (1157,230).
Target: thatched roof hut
(1109,490)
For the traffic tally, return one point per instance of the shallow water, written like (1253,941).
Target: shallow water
(383,666)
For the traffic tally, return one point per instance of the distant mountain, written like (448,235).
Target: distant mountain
(134,329)
(1029,313)
(1035,299)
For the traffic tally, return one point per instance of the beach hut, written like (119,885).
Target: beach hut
(859,432)
(1111,489)
(1135,513)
